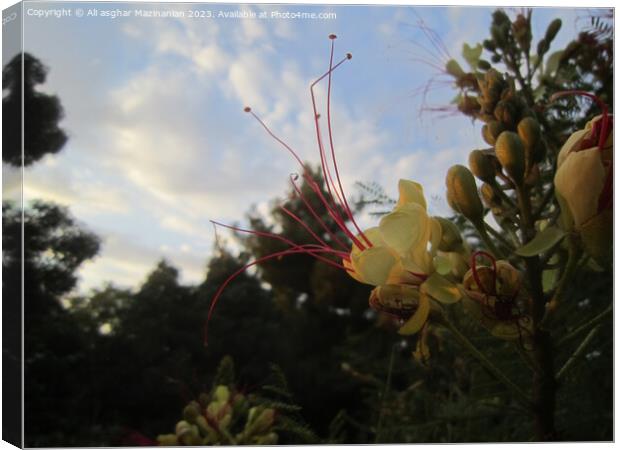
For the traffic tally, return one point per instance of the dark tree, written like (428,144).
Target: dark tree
(55,349)
(41,112)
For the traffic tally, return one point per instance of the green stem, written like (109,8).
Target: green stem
(521,396)
(574,254)
(384,394)
(596,320)
(499,237)
(577,354)
(488,241)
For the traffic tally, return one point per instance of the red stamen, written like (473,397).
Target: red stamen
(331,145)
(605,126)
(279,254)
(335,238)
(334,214)
(474,270)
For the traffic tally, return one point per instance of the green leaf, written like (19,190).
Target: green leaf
(542,242)
(472,55)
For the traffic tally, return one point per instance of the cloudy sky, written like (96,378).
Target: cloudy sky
(158,141)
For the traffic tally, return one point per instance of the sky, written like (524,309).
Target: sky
(159,144)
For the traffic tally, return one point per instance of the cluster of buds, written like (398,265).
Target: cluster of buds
(223,418)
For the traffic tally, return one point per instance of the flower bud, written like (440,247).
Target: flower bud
(482,166)
(451,239)
(167,440)
(489,45)
(511,155)
(552,30)
(191,411)
(490,197)
(505,112)
(484,65)
(491,130)
(529,132)
(522,32)
(463,194)
(468,105)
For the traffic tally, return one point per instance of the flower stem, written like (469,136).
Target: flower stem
(577,354)
(487,240)
(586,326)
(521,396)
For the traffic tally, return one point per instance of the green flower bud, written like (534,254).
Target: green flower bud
(187,434)
(468,105)
(500,17)
(482,166)
(191,411)
(451,239)
(505,112)
(463,194)
(221,393)
(484,65)
(489,45)
(167,440)
(490,197)
(529,132)
(511,155)
(491,131)
(552,30)
(542,48)
(522,32)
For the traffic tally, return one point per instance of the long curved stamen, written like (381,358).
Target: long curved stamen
(331,146)
(331,185)
(296,218)
(335,238)
(335,215)
(474,270)
(238,272)
(277,237)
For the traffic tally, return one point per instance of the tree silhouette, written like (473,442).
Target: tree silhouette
(41,113)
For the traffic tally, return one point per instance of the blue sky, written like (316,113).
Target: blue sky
(159,143)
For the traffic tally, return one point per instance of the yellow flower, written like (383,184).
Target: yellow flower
(584,186)
(400,261)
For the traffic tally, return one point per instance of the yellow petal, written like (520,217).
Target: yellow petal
(351,270)
(410,192)
(580,181)
(373,235)
(436,233)
(406,227)
(571,144)
(417,321)
(441,289)
(374,265)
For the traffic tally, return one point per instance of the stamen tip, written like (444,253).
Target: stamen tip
(247,109)
(349,55)
(332,36)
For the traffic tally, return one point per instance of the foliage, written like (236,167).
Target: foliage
(43,112)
